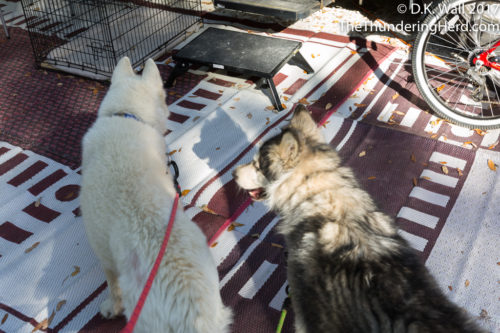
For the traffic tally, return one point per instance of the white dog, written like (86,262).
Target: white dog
(126,198)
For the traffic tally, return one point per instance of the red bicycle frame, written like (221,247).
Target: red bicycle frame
(483,57)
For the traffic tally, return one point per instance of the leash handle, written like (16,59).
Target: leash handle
(129,328)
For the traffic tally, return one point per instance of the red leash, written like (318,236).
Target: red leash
(129,328)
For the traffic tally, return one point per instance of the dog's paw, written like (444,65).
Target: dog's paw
(110,309)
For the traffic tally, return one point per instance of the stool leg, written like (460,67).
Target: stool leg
(4,24)
(179,69)
(274,95)
(299,61)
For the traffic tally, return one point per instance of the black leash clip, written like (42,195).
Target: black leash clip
(172,163)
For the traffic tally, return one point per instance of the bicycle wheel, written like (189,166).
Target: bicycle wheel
(456,62)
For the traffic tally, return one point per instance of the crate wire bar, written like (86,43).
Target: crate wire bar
(88,37)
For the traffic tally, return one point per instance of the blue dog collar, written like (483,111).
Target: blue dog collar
(127,115)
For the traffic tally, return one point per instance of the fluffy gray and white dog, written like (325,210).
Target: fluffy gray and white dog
(348,269)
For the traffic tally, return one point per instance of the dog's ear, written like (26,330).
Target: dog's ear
(122,70)
(151,73)
(289,147)
(303,122)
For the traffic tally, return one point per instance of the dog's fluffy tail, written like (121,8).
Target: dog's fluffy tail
(225,319)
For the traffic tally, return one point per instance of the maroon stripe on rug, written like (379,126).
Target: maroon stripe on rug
(99,324)
(21,316)
(34,24)
(278,78)
(297,32)
(50,26)
(207,94)
(74,33)
(179,118)
(191,105)
(79,308)
(28,173)
(41,212)
(14,18)
(346,86)
(220,203)
(222,83)
(47,182)
(243,244)
(12,163)
(13,233)
(295,86)
(236,159)
(67,193)
(414,228)
(3,150)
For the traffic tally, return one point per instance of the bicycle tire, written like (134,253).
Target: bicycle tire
(439,11)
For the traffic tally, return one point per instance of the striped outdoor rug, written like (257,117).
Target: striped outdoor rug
(432,176)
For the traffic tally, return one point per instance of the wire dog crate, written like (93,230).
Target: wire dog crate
(88,37)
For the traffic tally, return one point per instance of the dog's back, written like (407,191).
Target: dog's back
(126,198)
(348,269)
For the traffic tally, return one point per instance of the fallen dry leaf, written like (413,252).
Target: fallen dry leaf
(443,162)
(304,101)
(483,314)
(450,287)
(359,105)
(255,235)
(395,96)
(493,145)
(4,319)
(413,158)
(185,192)
(249,115)
(415,182)
(37,202)
(479,131)
(371,177)
(441,87)
(196,118)
(467,283)
(460,173)
(270,107)
(214,244)
(399,113)
(444,168)
(426,178)
(172,152)
(208,210)
(492,165)
(231,227)
(60,304)
(277,245)
(95,91)
(44,324)
(76,271)
(218,148)
(363,153)
(28,250)
(267,120)
(328,106)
